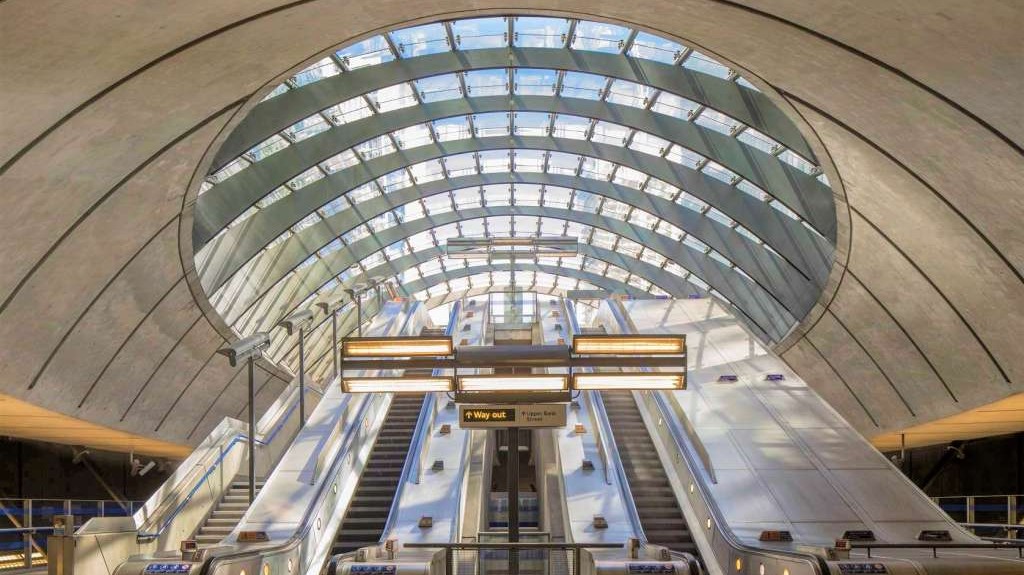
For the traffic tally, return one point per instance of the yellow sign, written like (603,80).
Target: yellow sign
(502,416)
(488,415)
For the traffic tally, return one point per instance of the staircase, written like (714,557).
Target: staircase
(660,515)
(227,513)
(364,522)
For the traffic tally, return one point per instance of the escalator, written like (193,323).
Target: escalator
(660,515)
(367,515)
(227,514)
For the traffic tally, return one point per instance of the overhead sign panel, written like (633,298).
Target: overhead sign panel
(505,416)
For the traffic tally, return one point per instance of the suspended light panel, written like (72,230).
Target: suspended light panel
(540,382)
(396,346)
(629,344)
(396,384)
(611,381)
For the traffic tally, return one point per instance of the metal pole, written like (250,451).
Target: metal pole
(513,498)
(334,340)
(252,431)
(302,377)
(359,314)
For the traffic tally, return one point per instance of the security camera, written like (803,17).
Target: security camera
(147,468)
(250,347)
(298,320)
(330,303)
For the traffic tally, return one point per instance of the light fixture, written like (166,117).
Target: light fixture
(626,380)
(629,344)
(396,346)
(538,382)
(396,384)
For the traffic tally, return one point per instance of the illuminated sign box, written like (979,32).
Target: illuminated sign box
(396,346)
(504,416)
(626,380)
(396,384)
(629,344)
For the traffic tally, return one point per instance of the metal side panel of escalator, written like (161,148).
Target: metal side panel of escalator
(367,515)
(660,514)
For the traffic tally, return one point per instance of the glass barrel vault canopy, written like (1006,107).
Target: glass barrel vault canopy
(678,176)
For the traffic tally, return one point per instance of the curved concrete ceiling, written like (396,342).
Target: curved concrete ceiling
(112,110)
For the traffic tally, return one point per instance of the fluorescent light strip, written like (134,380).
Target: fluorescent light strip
(396,384)
(586,381)
(629,345)
(513,383)
(396,347)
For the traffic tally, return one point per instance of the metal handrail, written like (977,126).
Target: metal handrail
(613,453)
(238,438)
(815,562)
(305,522)
(422,438)
(1019,546)
(602,449)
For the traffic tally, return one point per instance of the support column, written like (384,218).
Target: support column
(252,432)
(513,498)
(302,378)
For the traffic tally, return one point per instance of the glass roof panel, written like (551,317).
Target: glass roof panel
(527,194)
(413,136)
(339,162)
(456,128)
(479,33)
(369,52)
(608,133)
(630,94)
(461,164)
(649,144)
(437,88)
(491,124)
(583,85)
(535,81)
(349,111)
(651,47)
(321,69)
(717,121)
(574,127)
(363,193)
(306,128)
(375,148)
(421,40)
(626,176)
(538,32)
(494,161)
(676,106)
(529,160)
(497,196)
(586,202)
(706,64)
(266,148)
(428,171)
(532,123)
(491,82)
(467,198)
(599,37)
(563,163)
(394,181)
(393,97)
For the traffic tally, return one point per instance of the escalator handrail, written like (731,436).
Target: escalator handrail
(421,439)
(306,523)
(620,473)
(606,441)
(223,453)
(685,448)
